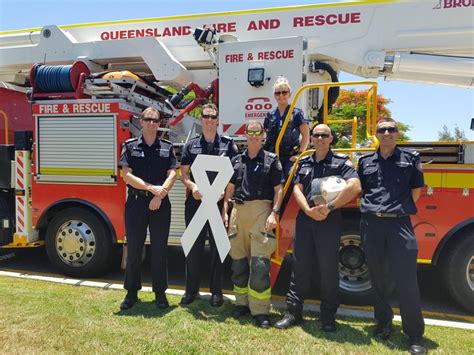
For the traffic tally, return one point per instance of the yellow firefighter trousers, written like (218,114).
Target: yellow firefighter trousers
(251,249)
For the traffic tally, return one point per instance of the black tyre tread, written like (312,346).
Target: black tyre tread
(453,261)
(104,251)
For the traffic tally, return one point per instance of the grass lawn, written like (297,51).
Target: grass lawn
(42,317)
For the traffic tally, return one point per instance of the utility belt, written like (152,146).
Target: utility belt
(389,215)
(239,201)
(136,192)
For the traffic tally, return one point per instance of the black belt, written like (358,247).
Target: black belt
(136,192)
(388,215)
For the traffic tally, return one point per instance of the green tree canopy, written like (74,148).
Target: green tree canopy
(352,103)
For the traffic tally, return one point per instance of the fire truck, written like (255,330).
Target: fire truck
(67,105)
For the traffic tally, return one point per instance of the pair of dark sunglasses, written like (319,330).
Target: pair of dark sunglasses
(389,129)
(254,133)
(278,93)
(209,117)
(154,120)
(321,135)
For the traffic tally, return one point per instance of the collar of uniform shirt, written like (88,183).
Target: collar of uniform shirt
(217,139)
(395,155)
(142,142)
(328,157)
(260,154)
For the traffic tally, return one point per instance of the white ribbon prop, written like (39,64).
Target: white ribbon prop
(208,210)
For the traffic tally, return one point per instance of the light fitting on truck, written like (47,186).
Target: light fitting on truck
(256,76)
(205,36)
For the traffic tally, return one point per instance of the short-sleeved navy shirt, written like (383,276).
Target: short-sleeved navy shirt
(150,163)
(387,183)
(332,165)
(273,123)
(222,146)
(254,177)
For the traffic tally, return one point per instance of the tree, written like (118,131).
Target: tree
(445,135)
(352,103)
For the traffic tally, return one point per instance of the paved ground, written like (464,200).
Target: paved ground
(434,298)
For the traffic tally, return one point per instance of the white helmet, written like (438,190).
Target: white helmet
(324,190)
(331,187)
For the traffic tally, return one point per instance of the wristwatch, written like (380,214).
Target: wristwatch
(276,210)
(330,207)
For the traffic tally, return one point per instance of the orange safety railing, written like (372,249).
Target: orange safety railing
(371,121)
(5,119)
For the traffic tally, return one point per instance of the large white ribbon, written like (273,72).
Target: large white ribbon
(208,210)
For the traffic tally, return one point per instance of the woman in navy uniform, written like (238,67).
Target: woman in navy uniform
(211,143)
(290,146)
(392,179)
(148,167)
(318,230)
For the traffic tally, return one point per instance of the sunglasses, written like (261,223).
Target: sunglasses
(278,93)
(254,133)
(154,120)
(321,135)
(389,129)
(209,117)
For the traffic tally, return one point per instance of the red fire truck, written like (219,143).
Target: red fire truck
(63,120)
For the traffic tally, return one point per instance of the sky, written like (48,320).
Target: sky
(425,108)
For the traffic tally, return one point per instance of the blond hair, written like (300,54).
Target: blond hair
(281,81)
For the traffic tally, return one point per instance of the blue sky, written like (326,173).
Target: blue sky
(426,108)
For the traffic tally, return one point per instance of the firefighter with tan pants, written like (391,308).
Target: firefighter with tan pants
(256,191)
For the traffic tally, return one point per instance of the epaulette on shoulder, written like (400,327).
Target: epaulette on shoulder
(271,154)
(341,155)
(166,141)
(410,152)
(304,160)
(131,140)
(368,155)
(226,138)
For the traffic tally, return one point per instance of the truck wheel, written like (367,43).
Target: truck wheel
(354,281)
(458,271)
(78,243)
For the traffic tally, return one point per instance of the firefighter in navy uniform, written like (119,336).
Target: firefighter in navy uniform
(211,143)
(148,165)
(256,187)
(392,179)
(290,146)
(318,230)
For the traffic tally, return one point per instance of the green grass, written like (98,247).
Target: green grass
(41,317)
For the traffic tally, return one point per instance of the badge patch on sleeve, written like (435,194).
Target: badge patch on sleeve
(419,166)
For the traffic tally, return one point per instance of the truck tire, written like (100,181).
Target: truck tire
(458,271)
(78,243)
(354,281)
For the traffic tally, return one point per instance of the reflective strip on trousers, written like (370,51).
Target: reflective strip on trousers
(241,290)
(265,295)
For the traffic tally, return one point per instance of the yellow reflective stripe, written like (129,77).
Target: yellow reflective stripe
(76,171)
(240,290)
(265,295)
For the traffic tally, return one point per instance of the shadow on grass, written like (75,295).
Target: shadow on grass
(398,340)
(201,309)
(146,310)
(345,333)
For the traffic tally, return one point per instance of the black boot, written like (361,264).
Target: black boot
(289,319)
(129,300)
(417,346)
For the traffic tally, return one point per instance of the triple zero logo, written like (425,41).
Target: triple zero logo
(257,107)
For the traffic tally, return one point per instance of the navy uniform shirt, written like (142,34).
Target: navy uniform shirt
(149,163)
(333,164)
(254,178)
(272,125)
(222,146)
(387,183)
